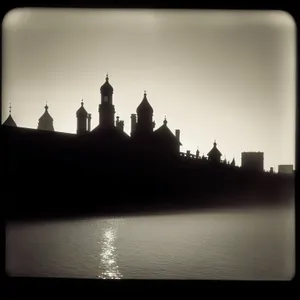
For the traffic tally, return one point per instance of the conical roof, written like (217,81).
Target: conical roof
(46,121)
(214,151)
(81,111)
(165,133)
(144,106)
(106,88)
(10,122)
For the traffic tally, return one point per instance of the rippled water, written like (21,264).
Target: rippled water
(255,245)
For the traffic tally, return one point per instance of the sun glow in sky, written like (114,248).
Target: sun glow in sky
(224,75)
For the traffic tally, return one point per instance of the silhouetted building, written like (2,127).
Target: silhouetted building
(46,121)
(109,135)
(144,168)
(253,161)
(10,121)
(285,169)
(214,155)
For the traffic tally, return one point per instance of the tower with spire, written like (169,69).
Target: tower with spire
(82,118)
(10,121)
(214,155)
(46,121)
(144,112)
(106,107)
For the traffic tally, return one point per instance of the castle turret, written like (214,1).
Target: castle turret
(106,108)
(214,154)
(145,114)
(82,117)
(46,121)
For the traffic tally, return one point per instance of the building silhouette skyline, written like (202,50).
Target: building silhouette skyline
(143,129)
(137,170)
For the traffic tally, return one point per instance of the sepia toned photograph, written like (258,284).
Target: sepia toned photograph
(149,144)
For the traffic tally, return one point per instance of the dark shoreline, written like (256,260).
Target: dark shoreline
(161,205)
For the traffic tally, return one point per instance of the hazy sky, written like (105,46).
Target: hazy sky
(224,75)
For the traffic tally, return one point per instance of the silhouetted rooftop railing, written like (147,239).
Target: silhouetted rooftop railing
(192,156)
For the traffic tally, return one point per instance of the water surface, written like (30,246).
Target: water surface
(257,244)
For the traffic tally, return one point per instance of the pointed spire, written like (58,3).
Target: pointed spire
(81,112)
(144,105)
(10,121)
(165,121)
(214,153)
(106,88)
(46,121)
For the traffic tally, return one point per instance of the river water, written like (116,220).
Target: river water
(256,244)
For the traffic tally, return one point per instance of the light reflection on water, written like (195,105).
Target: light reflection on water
(108,255)
(234,245)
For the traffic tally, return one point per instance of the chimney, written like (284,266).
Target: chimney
(89,122)
(188,153)
(177,134)
(133,124)
(121,125)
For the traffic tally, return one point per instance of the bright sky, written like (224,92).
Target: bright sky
(224,75)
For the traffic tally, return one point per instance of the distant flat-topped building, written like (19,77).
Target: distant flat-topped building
(253,161)
(285,169)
